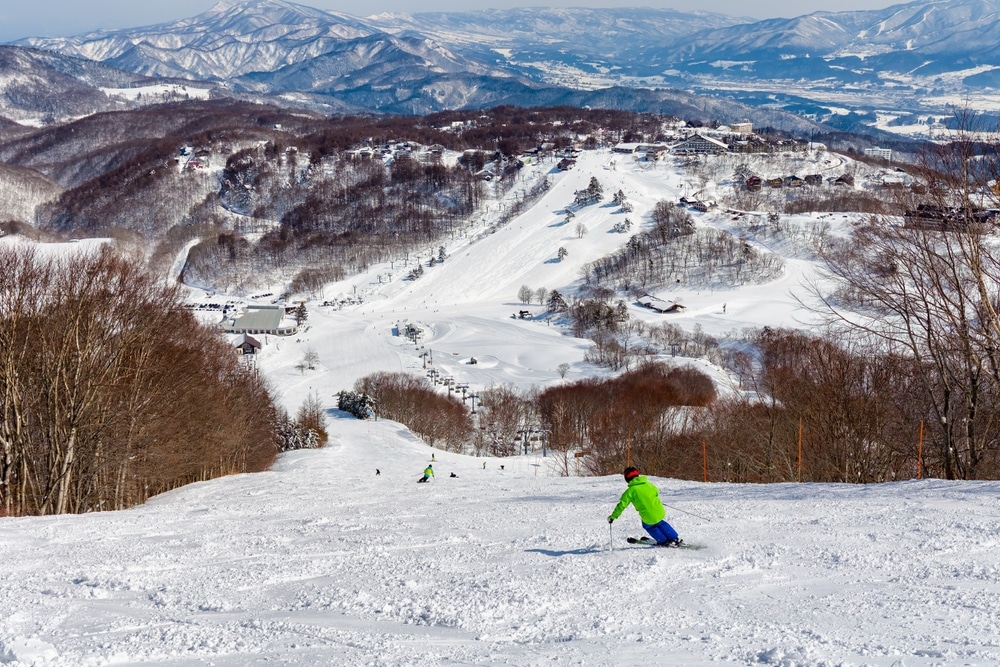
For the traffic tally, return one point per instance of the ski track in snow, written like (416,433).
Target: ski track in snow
(320,562)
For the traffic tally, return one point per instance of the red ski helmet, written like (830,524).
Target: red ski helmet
(630,473)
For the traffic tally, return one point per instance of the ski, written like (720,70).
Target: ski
(648,542)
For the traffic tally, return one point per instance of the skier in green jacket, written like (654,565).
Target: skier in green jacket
(428,473)
(645,497)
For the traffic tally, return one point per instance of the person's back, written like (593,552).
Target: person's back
(645,498)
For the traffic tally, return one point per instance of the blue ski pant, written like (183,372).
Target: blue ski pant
(661,532)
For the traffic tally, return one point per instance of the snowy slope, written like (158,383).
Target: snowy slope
(465,305)
(321,562)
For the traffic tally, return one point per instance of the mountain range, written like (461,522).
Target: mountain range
(913,58)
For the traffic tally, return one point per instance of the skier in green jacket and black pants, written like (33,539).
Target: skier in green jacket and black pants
(645,497)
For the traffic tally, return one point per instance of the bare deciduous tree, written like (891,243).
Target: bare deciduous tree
(928,290)
(111,390)
(524,294)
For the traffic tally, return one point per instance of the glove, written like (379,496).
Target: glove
(610,520)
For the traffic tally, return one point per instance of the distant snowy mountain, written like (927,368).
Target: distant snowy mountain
(942,36)
(233,39)
(575,34)
(378,59)
(230,39)
(913,57)
(276,47)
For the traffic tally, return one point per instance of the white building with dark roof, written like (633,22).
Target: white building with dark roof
(699,144)
(261,320)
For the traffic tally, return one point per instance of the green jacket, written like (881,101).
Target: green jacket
(645,497)
(428,471)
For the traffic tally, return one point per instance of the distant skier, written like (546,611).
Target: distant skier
(428,473)
(645,497)
(377,472)
(452,475)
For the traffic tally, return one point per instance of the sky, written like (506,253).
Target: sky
(51,18)
(320,562)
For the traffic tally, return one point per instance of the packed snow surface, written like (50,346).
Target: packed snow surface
(321,561)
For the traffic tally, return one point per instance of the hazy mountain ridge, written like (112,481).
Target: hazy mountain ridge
(378,59)
(412,81)
(226,41)
(400,63)
(952,27)
(233,39)
(604,29)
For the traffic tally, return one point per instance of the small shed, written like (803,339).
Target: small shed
(247,344)
(659,305)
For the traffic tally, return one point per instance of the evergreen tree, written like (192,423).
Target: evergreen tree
(556,303)
(301,314)
(595,190)
(360,405)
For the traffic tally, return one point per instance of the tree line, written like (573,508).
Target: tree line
(805,408)
(111,392)
(675,250)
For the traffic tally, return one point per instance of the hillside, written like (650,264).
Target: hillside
(22,190)
(465,304)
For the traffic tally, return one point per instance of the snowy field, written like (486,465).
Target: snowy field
(321,562)
(157,91)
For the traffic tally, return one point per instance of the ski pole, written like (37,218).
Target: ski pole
(611,537)
(686,512)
